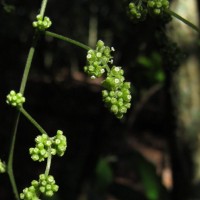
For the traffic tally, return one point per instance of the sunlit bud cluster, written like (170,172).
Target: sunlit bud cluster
(42,23)
(15,99)
(59,144)
(46,145)
(2,167)
(45,185)
(42,148)
(116,95)
(98,60)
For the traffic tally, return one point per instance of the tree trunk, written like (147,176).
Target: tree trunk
(185,93)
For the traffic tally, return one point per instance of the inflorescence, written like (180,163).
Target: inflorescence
(138,9)
(98,60)
(42,23)
(15,99)
(44,145)
(46,185)
(116,93)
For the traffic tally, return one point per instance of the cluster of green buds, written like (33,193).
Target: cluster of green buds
(139,9)
(98,60)
(157,7)
(137,12)
(46,186)
(116,95)
(15,99)
(2,167)
(46,145)
(42,23)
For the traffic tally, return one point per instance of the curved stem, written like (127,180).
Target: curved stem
(28,116)
(10,158)
(43,7)
(28,63)
(188,23)
(22,88)
(66,39)
(48,166)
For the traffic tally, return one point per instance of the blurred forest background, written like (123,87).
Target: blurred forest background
(153,153)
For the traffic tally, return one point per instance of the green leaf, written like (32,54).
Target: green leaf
(104,174)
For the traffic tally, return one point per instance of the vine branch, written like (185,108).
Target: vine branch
(66,39)
(22,88)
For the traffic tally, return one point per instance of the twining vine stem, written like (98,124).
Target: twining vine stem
(33,121)
(64,38)
(22,88)
(48,166)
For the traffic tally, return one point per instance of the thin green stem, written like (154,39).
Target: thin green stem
(66,39)
(188,23)
(43,7)
(48,166)
(33,121)
(10,158)
(28,63)
(22,88)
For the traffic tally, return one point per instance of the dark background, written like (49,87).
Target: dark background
(106,158)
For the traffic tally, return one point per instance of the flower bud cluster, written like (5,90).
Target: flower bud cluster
(46,185)
(15,99)
(29,193)
(42,24)
(139,9)
(59,144)
(156,7)
(46,145)
(2,167)
(98,60)
(116,95)
(137,12)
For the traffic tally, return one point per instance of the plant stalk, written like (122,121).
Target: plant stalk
(188,23)
(48,166)
(33,121)
(22,88)
(66,39)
